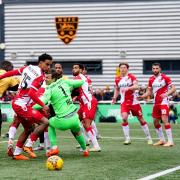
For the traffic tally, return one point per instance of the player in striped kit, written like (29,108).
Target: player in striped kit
(32,79)
(161,87)
(88,106)
(126,84)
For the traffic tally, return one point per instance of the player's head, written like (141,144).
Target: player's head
(124,68)
(51,75)
(156,68)
(44,62)
(48,77)
(58,68)
(7,66)
(55,75)
(77,69)
(84,72)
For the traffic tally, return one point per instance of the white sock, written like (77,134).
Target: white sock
(12,132)
(41,144)
(46,140)
(92,136)
(126,131)
(86,136)
(93,125)
(160,134)
(55,147)
(29,143)
(146,131)
(17,151)
(169,135)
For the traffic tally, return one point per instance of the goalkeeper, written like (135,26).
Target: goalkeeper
(58,93)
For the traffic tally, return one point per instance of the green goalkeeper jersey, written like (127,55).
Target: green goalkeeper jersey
(59,95)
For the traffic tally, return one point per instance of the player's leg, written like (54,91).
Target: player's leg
(137,111)
(42,121)
(53,124)
(156,120)
(125,126)
(87,139)
(145,128)
(89,113)
(12,132)
(167,125)
(75,129)
(21,140)
(91,133)
(93,124)
(41,143)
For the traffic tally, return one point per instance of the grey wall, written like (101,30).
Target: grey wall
(1,30)
(143,30)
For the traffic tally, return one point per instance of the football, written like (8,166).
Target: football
(54,163)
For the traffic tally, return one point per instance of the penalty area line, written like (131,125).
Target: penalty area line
(161,173)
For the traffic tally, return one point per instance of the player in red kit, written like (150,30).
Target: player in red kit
(161,87)
(88,106)
(93,124)
(126,84)
(32,79)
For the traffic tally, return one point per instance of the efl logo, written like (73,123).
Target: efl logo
(66,28)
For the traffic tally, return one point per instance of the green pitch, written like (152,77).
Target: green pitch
(115,162)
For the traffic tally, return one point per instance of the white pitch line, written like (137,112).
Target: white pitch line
(162,173)
(6,141)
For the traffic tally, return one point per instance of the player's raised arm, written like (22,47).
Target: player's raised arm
(12,73)
(75,83)
(45,99)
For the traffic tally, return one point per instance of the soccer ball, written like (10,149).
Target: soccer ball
(54,163)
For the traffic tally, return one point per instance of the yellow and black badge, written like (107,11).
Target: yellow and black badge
(66,28)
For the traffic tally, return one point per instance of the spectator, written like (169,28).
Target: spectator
(107,94)
(176,97)
(98,94)
(172,113)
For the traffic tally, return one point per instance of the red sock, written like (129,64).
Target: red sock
(33,137)
(168,126)
(124,123)
(19,144)
(143,123)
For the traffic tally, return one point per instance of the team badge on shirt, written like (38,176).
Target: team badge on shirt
(66,28)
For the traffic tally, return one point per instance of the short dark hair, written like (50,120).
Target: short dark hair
(44,57)
(81,66)
(156,64)
(7,66)
(126,64)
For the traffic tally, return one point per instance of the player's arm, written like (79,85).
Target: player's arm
(116,94)
(133,87)
(36,84)
(12,73)
(44,98)
(146,94)
(75,83)
(171,90)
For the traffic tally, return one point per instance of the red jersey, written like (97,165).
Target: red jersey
(129,97)
(159,86)
(32,77)
(85,95)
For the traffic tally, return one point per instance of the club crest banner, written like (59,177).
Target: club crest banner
(66,28)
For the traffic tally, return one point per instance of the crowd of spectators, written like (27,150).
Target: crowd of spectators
(106,94)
